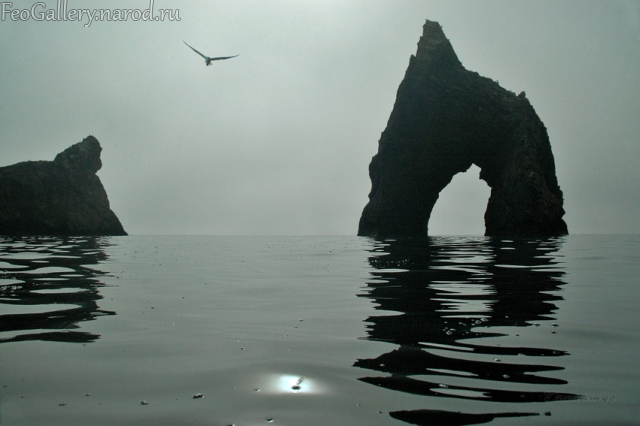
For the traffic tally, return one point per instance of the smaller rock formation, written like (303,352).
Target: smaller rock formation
(59,197)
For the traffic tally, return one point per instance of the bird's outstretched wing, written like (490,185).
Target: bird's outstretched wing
(219,58)
(195,50)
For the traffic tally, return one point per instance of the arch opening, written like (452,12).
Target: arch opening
(461,206)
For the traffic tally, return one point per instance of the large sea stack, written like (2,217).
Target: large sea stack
(445,119)
(59,197)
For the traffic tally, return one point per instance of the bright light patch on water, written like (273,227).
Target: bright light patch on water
(289,383)
(293,384)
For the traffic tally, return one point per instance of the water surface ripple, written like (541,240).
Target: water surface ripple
(318,330)
(446,303)
(47,284)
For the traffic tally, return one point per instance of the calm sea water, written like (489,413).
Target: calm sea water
(196,330)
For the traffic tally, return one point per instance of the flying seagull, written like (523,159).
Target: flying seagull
(208,60)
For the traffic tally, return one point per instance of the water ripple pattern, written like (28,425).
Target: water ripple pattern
(454,310)
(48,285)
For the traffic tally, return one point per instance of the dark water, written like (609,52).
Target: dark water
(319,330)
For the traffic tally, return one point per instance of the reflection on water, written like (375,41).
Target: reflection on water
(49,283)
(445,302)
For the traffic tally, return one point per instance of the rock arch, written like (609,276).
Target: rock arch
(461,205)
(445,119)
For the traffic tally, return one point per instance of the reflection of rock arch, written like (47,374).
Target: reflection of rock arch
(444,120)
(444,300)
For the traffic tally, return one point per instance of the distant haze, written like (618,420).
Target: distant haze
(278,140)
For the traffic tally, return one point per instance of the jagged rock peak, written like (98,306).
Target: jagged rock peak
(434,45)
(81,157)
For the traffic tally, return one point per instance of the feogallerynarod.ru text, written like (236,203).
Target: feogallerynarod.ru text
(63,11)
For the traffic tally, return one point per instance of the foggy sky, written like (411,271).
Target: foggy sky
(278,140)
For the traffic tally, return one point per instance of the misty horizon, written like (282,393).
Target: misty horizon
(278,141)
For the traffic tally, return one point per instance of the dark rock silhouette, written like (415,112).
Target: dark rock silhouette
(59,197)
(445,119)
